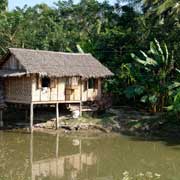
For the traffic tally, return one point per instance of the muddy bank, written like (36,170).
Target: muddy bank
(124,120)
(147,125)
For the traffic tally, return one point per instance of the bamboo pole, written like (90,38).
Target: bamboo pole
(57,115)
(80,108)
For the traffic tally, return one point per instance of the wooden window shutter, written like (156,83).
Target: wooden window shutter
(96,84)
(74,81)
(38,82)
(85,85)
(68,81)
(53,83)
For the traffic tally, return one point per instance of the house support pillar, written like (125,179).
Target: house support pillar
(1,119)
(31,117)
(80,107)
(57,115)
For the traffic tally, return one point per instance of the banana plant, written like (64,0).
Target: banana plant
(157,66)
(158,60)
(174,93)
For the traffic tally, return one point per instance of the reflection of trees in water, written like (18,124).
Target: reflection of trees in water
(62,166)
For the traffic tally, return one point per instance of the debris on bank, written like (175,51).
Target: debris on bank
(120,119)
(70,124)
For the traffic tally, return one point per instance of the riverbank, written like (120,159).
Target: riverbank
(124,120)
(147,125)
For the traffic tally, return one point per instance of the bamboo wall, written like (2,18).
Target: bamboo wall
(55,93)
(60,91)
(91,94)
(18,89)
(26,89)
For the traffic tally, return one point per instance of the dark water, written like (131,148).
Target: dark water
(50,157)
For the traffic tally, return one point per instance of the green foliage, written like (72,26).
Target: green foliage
(133,91)
(3,6)
(111,33)
(158,66)
(174,92)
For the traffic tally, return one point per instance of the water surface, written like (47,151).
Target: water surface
(51,157)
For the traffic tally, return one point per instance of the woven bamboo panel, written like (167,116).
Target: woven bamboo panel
(18,89)
(25,89)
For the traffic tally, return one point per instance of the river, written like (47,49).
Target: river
(99,157)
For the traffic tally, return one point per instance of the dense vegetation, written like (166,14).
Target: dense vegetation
(137,39)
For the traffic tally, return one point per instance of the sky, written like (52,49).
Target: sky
(21,3)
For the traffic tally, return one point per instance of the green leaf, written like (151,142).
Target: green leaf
(144,99)
(177,70)
(174,85)
(153,99)
(80,50)
(139,90)
(137,59)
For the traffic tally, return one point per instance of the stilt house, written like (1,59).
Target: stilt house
(45,77)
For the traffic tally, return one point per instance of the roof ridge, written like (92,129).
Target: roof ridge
(58,52)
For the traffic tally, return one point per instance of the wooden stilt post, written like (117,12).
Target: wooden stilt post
(80,108)
(31,117)
(1,119)
(57,115)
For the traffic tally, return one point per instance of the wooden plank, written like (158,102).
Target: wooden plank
(81,97)
(50,93)
(40,88)
(57,115)
(57,81)
(31,117)
(99,89)
(17,101)
(87,90)
(54,102)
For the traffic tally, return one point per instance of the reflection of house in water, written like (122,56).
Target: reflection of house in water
(59,167)
(56,167)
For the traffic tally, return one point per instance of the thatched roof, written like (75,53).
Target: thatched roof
(11,73)
(59,64)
